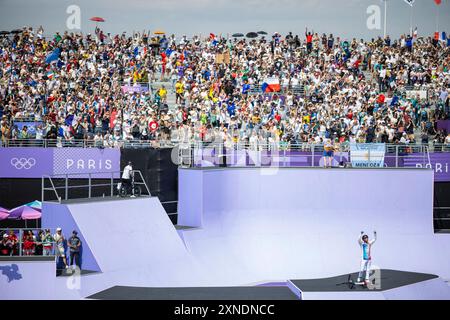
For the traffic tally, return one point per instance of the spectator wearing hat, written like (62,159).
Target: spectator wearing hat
(59,239)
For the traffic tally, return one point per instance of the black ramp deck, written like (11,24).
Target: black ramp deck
(206,293)
(390,279)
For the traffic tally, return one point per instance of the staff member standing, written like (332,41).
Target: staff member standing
(74,247)
(127,175)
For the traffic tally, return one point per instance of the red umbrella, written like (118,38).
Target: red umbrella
(97,19)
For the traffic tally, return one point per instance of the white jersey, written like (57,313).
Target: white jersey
(366,248)
(59,239)
(127,172)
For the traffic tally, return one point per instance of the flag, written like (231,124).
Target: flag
(271,85)
(443,36)
(53,56)
(415,33)
(136,51)
(438,2)
(410,2)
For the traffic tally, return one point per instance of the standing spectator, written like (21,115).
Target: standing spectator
(5,246)
(447,142)
(29,243)
(179,89)
(60,250)
(328,154)
(74,247)
(14,242)
(47,243)
(39,248)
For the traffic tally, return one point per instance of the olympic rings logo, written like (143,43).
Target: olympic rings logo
(23,163)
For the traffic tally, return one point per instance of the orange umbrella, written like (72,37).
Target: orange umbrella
(159,32)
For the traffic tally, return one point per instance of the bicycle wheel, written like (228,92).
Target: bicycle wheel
(137,191)
(123,192)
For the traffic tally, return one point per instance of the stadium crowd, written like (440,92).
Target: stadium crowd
(92,87)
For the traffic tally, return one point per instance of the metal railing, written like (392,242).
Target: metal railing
(125,144)
(60,184)
(74,143)
(295,155)
(17,242)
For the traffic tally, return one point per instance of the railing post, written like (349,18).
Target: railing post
(20,241)
(312,155)
(42,188)
(67,187)
(89,186)
(396,156)
(112,184)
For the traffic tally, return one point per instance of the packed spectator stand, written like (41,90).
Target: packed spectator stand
(105,89)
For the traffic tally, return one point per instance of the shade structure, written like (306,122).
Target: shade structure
(159,32)
(29,213)
(4,214)
(262,32)
(15,31)
(97,19)
(4,32)
(252,35)
(16,213)
(36,205)
(238,35)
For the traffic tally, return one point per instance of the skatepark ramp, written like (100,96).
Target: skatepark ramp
(291,223)
(128,241)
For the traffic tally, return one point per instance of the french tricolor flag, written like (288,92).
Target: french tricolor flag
(271,85)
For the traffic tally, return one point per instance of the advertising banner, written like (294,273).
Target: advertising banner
(367,155)
(78,162)
(135,89)
(440,162)
(443,125)
(25,162)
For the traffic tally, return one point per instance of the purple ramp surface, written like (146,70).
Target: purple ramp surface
(27,280)
(281,223)
(59,216)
